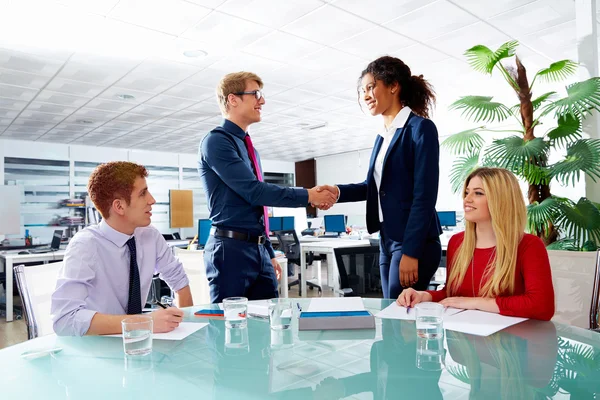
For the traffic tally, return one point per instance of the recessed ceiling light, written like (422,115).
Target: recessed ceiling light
(126,96)
(195,53)
(84,121)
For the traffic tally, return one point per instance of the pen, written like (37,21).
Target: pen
(161,305)
(299,308)
(407,309)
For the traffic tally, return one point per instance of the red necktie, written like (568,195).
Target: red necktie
(257,171)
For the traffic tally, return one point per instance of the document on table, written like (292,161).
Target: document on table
(331,304)
(181,332)
(480,323)
(394,311)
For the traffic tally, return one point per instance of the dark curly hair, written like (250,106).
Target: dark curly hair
(113,180)
(415,92)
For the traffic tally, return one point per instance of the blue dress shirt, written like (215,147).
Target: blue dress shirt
(235,195)
(95,275)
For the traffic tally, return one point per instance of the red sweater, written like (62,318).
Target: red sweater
(533,295)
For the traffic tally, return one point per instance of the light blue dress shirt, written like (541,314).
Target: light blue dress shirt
(95,275)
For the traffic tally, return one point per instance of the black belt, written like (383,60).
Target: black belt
(244,237)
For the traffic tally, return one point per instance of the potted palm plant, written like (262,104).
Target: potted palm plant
(563,223)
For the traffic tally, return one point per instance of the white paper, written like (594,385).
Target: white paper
(331,304)
(184,330)
(394,311)
(479,323)
(259,308)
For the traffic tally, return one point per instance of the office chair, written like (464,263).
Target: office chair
(36,284)
(351,284)
(290,245)
(595,303)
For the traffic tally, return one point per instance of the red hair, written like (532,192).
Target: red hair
(113,180)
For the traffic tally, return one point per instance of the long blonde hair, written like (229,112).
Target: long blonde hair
(508,214)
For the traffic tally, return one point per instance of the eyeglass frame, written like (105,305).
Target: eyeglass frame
(258,94)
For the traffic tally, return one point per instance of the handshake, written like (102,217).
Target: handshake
(324,196)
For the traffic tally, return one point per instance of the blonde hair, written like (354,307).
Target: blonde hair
(233,83)
(508,214)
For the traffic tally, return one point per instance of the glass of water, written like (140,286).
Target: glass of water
(137,335)
(280,313)
(236,341)
(429,320)
(430,354)
(235,310)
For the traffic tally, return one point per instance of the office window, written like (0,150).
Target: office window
(45,184)
(82,172)
(191,181)
(160,180)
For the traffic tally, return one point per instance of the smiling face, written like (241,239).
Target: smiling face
(475,202)
(246,107)
(378,97)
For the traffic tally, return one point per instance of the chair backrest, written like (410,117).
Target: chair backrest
(36,284)
(193,265)
(290,245)
(595,304)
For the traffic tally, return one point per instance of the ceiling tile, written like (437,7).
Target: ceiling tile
(457,42)
(207,78)
(115,93)
(165,69)
(137,82)
(440,17)
(374,43)
(5,113)
(329,60)
(192,92)
(225,31)
(246,62)
(173,103)
(108,105)
(12,104)
(40,116)
(48,96)
(172,17)
(152,111)
(50,108)
(75,88)
(273,13)
(95,69)
(91,116)
(328,25)
(137,118)
(487,9)
(532,17)
(17,93)
(380,11)
(282,46)
(419,56)
(92,6)
(33,64)
(23,79)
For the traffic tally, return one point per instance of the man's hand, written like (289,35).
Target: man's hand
(165,320)
(323,197)
(409,271)
(276,267)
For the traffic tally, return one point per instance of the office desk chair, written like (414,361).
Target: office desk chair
(290,245)
(36,284)
(351,284)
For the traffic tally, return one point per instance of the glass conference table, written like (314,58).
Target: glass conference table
(531,360)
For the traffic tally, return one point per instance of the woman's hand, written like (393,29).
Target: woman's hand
(410,297)
(465,303)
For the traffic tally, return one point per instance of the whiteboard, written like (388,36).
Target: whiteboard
(10,210)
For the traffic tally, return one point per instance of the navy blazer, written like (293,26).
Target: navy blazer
(409,187)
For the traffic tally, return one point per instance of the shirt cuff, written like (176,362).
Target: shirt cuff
(82,321)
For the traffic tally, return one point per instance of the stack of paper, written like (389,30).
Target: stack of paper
(336,304)
(181,332)
(480,323)
(394,311)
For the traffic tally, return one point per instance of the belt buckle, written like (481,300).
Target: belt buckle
(262,239)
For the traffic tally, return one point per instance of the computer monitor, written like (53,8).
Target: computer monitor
(299,214)
(335,223)
(168,236)
(275,224)
(447,218)
(56,237)
(204,226)
(287,223)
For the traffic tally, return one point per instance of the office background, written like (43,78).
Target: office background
(137,83)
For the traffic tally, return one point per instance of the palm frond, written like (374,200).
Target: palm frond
(541,215)
(481,109)
(567,131)
(540,100)
(516,154)
(482,59)
(582,98)
(563,244)
(580,221)
(461,168)
(583,155)
(557,71)
(465,142)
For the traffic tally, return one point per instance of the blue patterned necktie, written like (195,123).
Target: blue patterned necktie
(134,304)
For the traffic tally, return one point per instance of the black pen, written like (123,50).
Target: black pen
(161,305)
(299,308)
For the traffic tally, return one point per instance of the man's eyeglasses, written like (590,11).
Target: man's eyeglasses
(258,94)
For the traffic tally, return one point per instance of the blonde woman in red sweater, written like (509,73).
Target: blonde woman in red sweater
(493,265)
